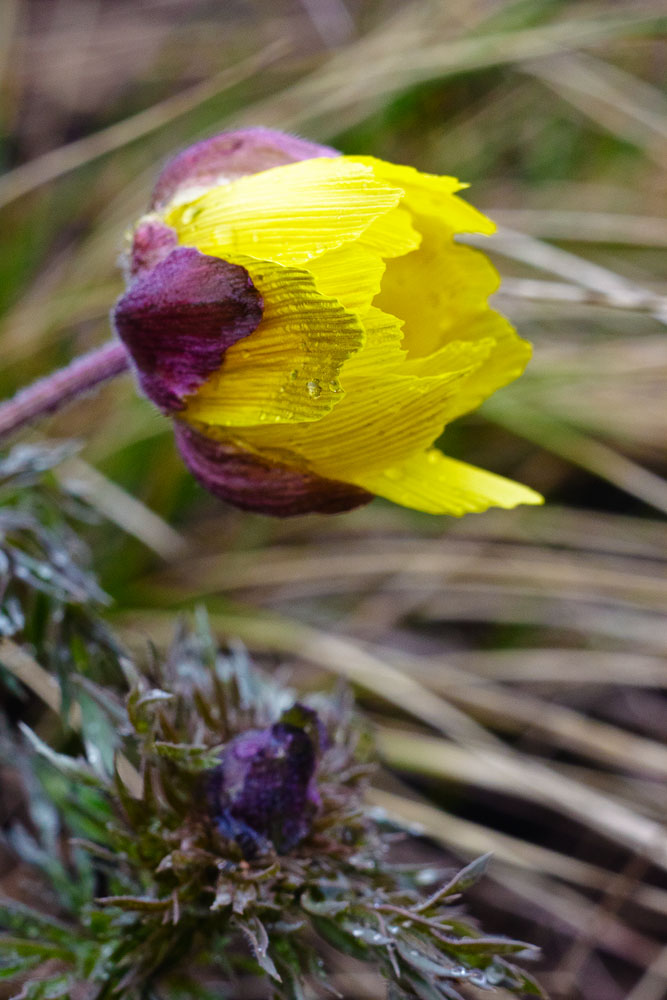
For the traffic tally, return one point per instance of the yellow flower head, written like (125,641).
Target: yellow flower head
(310,323)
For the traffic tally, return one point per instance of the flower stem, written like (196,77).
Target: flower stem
(63,386)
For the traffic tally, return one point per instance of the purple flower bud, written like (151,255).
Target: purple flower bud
(263,793)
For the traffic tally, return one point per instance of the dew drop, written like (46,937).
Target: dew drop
(459,971)
(495,975)
(314,388)
(335,386)
(427,876)
(293,375)
(357,932)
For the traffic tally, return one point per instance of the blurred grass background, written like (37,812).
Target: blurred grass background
(512,662)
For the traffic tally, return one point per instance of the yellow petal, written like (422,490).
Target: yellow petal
(391,234)
(351,273)
(436,289)
(383,418)
(289,214)
(382,352)
(441,292)
(507,357)
(431,482)
(506,361)
(431,195)
(287,369)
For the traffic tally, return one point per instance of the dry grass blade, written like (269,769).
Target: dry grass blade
(612,98)
(583,226)
(363,76)
(321,569)
(652,984)
(526,778)
(560,291)
(121,508)
(62,160)
(516,712)
(581,449)
(471,840)
(577,270)
(27,670)
(557,667)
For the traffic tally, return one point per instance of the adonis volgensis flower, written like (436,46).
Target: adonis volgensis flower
(311,325)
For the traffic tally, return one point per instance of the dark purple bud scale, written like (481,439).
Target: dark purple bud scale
(257,484)
(178,318)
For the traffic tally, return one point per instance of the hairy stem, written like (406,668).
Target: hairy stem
(63,386)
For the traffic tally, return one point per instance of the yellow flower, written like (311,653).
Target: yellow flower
(311,324)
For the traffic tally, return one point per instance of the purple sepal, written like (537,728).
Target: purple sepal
(178,319)
(254,483)
(229,156)
(263,793)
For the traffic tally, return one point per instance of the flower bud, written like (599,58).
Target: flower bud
(311,325)
(263,794)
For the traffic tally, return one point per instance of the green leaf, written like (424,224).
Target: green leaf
(323,907)
(16,946)
(100,736)
(53,988)
(191,757)
(462,881)
(255,931)
(16,916)
(73,767)
(12,967)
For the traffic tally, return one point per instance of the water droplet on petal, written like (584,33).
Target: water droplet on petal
(314,388)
